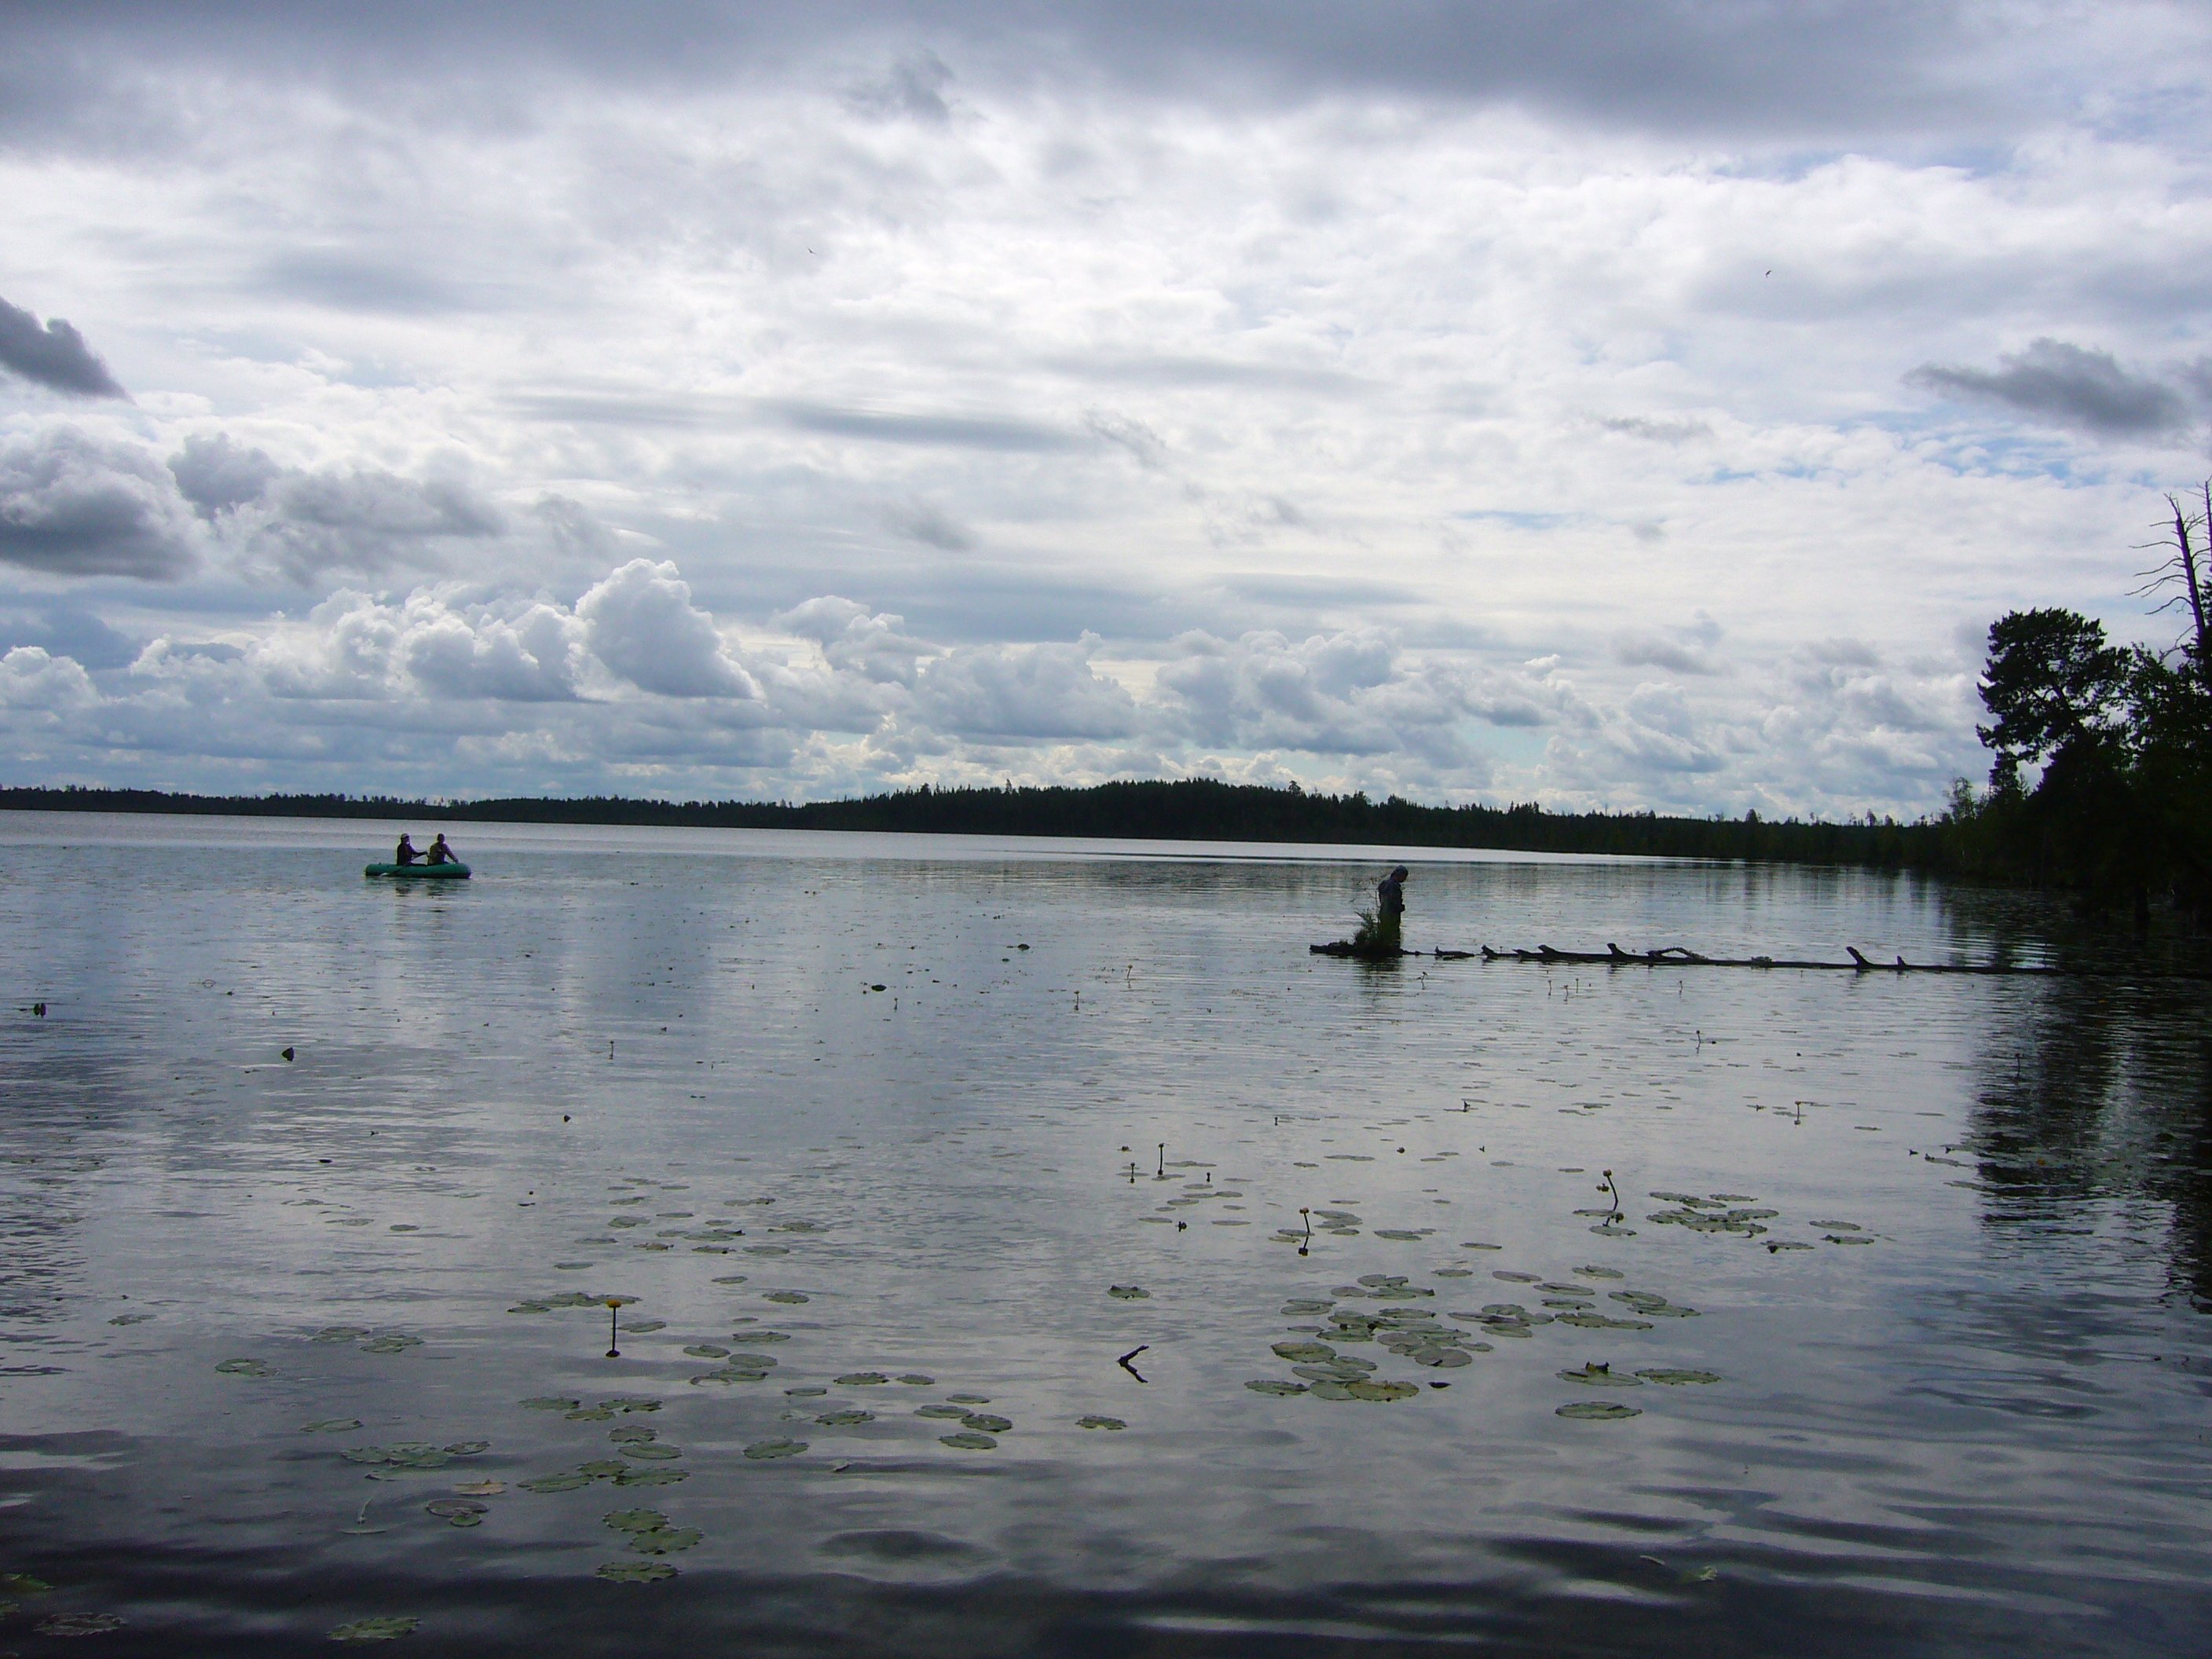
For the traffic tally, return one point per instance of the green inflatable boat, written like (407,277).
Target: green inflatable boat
(453,872)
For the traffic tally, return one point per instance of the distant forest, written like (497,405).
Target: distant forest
(1189,810)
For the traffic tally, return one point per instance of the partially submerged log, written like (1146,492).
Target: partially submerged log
(1679,956)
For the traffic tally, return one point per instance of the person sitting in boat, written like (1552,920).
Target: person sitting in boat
(442,853)
(406,852)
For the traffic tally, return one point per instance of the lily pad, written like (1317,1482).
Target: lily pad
(1598,1322)
(655,1476)
(916,1380)
(546,1403)
(1667,1375)
(1310,1352)
(630,1402)
(792,1298)
(634,1520)
(384,1628)
(457,1511)
(1599,1375)
(244,1368)
(1380,1391)
(708,1351)
(1442,1358)
(329,1426)
(78,1623)
(968,1441)
(1275,1385)
(845,1420)
(860,1379)
(1511,1278)
(970,1399)
(636,1572)
(341,1334)
(1601,1411)
(567,1481)
(1100,1423)
(652,1452)
(393,1344)
(985,1423)
(1128,1292)
(664,1541)
(762,1452)
(946,1413)
(806,1391)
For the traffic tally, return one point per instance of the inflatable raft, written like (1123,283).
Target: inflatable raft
(454,871)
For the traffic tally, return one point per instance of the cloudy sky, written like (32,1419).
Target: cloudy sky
(1634,403)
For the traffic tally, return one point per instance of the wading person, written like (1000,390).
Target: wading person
(1390,905)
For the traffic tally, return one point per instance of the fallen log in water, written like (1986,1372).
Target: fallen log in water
(1679,956)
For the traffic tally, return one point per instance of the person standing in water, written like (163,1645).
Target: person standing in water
(1390,904)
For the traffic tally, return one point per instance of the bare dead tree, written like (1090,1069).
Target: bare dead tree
(2179,571)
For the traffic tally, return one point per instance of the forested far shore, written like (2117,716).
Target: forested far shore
(1185,810)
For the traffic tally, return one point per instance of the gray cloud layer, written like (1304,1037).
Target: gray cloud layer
(55,356)
(2070,386)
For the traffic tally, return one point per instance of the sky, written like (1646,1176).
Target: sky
(1623,403)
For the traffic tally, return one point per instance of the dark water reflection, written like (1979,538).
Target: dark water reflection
(1980,1430)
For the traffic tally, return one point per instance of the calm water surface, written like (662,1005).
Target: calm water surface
(897,1141)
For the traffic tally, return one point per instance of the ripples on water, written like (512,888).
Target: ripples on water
(1969,1416)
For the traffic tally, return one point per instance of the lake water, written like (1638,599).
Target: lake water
(313,1189)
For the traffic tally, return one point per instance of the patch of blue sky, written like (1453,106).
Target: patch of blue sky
(1518,520)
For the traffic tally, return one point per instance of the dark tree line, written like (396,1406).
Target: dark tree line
(2120,810)
(1189,810)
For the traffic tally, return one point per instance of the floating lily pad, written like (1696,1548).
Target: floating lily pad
(1310,1352)
(845,1420)
(588,1414)
(634,1520)
(1599,1375)
(985,1423)
(78,1623)
(761,1338)
(646,1327)
(651,1452)
(970,1399)
(1512,1278)
(948,1413)
(1380,1391)
(791,1297)
(23,1583)
(634,1432)
(916,1380)
(1275,1385)
(571,1266)
(568,1480)
(655,1475)
(1443,1358)
(1849,1238)
(130,1319)
(1100,1423)
(1602,1411)
(384,1628)
(244,1368)
(468,1448)
(767,1249)
(602,1468)
(763,1450)
(329,1426)
(636,1572)
(1399,1234)
(341,1334)
(1128,1292)
(708,1351)
(1667,1375)
(1307,1305)
(664,1541)
(968,1441)
(860,1379)
(546,1403)
(731,1278)
(393,1344)
(481,1488)
(1598,1322)
(457,1511)
(807,1391)
(630,1402)
(1788,1244)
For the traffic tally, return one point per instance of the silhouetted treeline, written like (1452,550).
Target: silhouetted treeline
(1188,810)
(2121,809)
